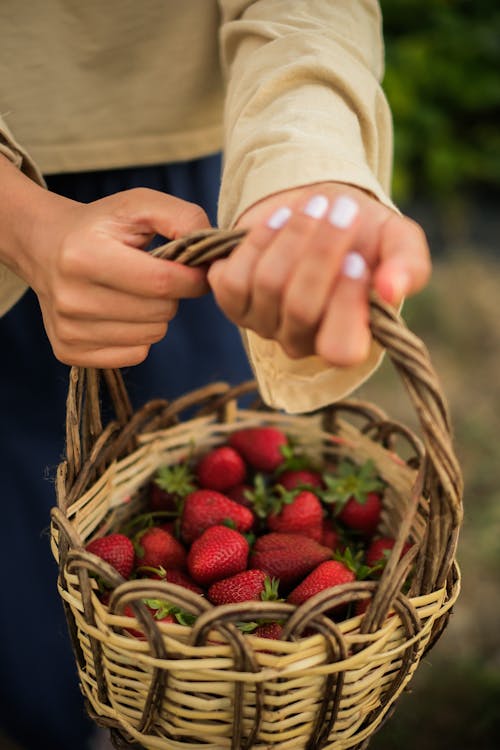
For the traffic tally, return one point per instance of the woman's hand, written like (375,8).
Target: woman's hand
(302,274)
(104,302)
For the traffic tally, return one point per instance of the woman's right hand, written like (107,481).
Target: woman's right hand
(103,301)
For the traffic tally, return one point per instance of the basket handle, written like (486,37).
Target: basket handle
(442,480)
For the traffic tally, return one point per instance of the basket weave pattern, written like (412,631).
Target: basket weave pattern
(325,684)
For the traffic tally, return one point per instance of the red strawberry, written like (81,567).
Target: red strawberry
(242,587)
(362,605)
(170,526)
(293,478)
(362,515)
(330,536)
(204,508)
(173,575)
(327,575)
(288,557)
(115,549)
(272,630)
(261,447)
(170,485)
(299,514)
(379,550)
(218,553)
(356,494)
(181,579)
(159,610)
(238,493)
(221,468)
(155,547)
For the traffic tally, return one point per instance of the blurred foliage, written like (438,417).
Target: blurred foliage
(442,81)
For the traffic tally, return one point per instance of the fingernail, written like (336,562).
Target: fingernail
(279,218)
(400,283)
(354,266)
(317,207)
(344,212)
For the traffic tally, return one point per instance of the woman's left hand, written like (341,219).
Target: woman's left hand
(301,275)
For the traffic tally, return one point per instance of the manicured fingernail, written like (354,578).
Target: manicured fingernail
(317,207)
(354,266)
(344,212)
(279,218)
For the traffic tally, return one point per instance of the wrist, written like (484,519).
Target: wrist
(27,212)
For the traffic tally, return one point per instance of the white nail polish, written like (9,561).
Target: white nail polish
(316,207)
(344,212)
(279,218)
(354,266)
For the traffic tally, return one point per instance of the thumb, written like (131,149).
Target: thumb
(164,214)
(405,265)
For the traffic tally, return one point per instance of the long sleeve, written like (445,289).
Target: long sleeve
(304,104)
(11,286)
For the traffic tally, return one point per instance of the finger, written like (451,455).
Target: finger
(114,265)
(277,262)
(111,305)
(108,358)
(314,276)
(165,214)
(405,263)
(232,279)
(344,335)
(96,334)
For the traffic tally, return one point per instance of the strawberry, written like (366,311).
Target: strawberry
(327,575)
(170,485)
(156,547)
(362,605)
(261,447)
(272,630)
(221,468)
(240,494)
(242,587)
(300,513)
(300,478)
(204,508)
(356,493)
(378,551)
(288,557)
(330,535)
(161,611)
(181,579)
(115,549)
(174,575)
(218,553)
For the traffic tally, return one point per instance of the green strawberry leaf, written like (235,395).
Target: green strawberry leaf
(271,590)
(247,627)
(183,617)
(293,460)
(350,481)
(177,479)
(261,496)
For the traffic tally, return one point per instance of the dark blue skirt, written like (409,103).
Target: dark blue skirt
(40,702)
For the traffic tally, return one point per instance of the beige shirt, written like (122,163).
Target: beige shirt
(289,89)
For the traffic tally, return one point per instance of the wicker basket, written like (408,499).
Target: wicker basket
(210,685)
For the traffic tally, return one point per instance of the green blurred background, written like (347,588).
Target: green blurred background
(443,83)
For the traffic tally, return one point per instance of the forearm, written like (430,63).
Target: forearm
(304,102)
(25,209)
